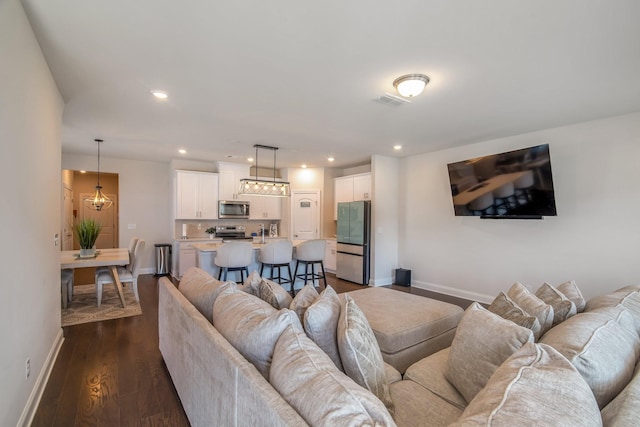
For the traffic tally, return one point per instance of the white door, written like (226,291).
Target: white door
(305,214)
(67,220)
(107,217)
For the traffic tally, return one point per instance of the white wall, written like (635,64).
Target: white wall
(593,240)
(30,117)
(144,198)
(384,217)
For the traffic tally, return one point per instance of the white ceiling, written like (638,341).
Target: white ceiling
(302,75)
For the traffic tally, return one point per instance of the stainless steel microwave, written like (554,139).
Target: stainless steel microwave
(233,209)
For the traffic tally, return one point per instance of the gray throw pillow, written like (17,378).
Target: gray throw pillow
(532,305)
(506,308)
(251,325)
(303,300)
(360,353)
(534,387)
(201,289)
(483,341)
(563,308)
(571,291)
(274,294)
(310,382)
(321,323)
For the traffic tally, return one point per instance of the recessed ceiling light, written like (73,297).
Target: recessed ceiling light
(331,159)
(83,171)
(160,94)
(303,166)
(249,159)
(397,147)
(182,151)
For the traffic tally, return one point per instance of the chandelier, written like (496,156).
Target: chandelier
(258,187)
(99,200)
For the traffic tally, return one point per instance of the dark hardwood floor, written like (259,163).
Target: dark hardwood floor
(111,373)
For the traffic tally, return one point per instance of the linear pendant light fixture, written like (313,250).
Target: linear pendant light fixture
(99,200)
(258,187)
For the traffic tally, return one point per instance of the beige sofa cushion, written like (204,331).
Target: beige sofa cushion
(506,308)
(201,289)
(359,352)
(563,308)
(274,294)
(535,387)
(321,323)
(419,407)
(306,378)
(429,373)
(532,305)
(624,410)
(303,300)
(603,345)
(627,297)
(570,290)
(483,341)
(251,325)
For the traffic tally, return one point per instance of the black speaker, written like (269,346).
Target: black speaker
(403,277)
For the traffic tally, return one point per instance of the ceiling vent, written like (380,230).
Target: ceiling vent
(392,100)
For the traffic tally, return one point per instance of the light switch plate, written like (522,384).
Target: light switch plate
(131,226)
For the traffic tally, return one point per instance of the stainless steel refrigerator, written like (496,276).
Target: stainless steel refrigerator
(354,233)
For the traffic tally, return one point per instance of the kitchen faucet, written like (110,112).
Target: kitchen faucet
(261,227)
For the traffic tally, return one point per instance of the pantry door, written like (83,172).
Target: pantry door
(305,214)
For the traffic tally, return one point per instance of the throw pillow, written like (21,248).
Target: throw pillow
(563,308)
(274,294)
(360,353)
(310,382)
(321,323)
(483,341)
(532,305)
(251,325)
(201,289)
(303,300)
(571,291)
(535,387)
(603,345)
(252,283)
(506,308)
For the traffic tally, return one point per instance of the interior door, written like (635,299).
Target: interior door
(108,217)
(305,207)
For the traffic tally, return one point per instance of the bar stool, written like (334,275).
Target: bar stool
(311,252)
(504,198)
(277,254)
(482,205)
(66,285)
(523,187)
(234,256)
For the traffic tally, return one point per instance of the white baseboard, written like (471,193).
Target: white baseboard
(147,271)
(384,281)
(30,408)
(473,296)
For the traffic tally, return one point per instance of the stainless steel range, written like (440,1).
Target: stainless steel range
(231,232)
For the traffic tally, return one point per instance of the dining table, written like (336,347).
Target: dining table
(111,258)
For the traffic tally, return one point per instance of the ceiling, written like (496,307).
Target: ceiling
(303,75)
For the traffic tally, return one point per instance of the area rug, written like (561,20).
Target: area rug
(84,307)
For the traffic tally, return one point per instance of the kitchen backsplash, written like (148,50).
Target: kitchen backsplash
(196,229)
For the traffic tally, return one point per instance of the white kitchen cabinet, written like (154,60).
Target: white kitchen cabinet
(265,207)
(196,195)
(351,188)
(330,255)
(184,257)
(230,175)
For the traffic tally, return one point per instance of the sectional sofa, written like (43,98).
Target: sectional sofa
(259,366)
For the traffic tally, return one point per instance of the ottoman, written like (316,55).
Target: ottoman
(407,327)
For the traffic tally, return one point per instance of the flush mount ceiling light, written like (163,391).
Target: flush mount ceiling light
(99,200)
(160,94)
(411,85)
(260,187)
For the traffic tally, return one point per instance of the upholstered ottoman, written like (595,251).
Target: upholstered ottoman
(408,327)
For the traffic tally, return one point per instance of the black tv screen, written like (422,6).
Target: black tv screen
(515,184)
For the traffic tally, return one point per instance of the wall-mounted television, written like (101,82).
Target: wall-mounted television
(515,184)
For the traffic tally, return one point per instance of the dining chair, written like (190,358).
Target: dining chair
(126,274)
(311,253)
(66,285)
(234,256)
(275,255)
(132,247)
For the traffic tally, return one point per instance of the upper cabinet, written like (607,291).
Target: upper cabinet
(351,188)
(265,207)
(230,176)
(196,195)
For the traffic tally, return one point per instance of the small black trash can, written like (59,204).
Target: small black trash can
(403,277)
(163,258)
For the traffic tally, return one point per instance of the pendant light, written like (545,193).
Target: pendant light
(99,200)
(257,187)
